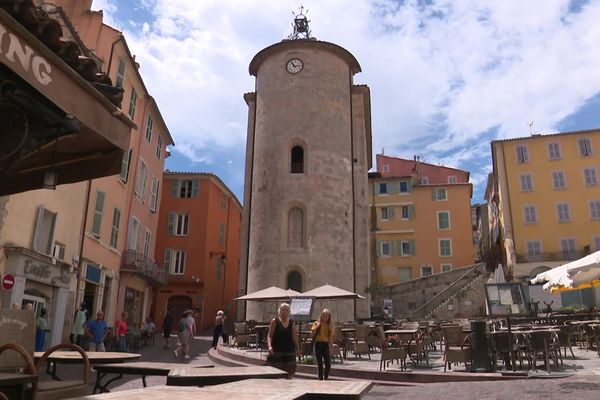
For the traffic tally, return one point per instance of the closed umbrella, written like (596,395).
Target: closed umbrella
(499,274)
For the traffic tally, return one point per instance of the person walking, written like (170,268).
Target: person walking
(97,329)
(322,332)
(219,329)
(78,329)
(187,330)
(282,341)
(41,329)
(121,332)
(167,323)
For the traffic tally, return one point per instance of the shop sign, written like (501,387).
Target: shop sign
(16,51)
(44,272)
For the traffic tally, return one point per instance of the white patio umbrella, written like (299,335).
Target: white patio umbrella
(329,292)
(270,293)
(581,273)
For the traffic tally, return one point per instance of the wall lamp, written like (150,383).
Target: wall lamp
(222,259)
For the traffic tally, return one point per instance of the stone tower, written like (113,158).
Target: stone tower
(307,157)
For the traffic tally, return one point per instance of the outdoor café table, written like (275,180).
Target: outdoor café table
(580,327)
(301,388)
(405,335)
(137,368)
(183,393)
(345,335)
(218,375)
(16,383)
(546,337)
(94,357)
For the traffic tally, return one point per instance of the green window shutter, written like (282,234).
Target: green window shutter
(390,213)
(413,247)
(175,187)
(396,248)
(394,187)
(171,224)
(167,263)
(411,211)
(409,186)
(195,187)
(378,248)
(376,187)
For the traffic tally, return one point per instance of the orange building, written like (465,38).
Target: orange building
(420,219)
(198,243)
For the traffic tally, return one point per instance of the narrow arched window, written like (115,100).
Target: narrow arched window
(294,281)
(296,228)
(297,164)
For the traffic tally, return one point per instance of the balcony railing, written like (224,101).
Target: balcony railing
(551,256)
(135,262)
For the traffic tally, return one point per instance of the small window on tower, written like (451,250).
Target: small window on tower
(297,165)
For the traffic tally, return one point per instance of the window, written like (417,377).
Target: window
(585,146)
(221,234)
(185,188)
(424,180)
(594,209)
(426,270)
(387,213)
(406,247)
(134,235)
(149,127)
(159,147)
(177,224)
(385,248)
(386,168)
(58,252)
(154,194)
(558,180)
(296,228)
(534,248)
(529,213)
(383,188)
(124,175)
(297,160)
(147,241)
(140,181)
(445,247)
(294,281)
(452,179)
(443,220)
(446,267)
(440,194)
(407,212)
(562,212)
(98,212)
(120,73)
(554,151)
(522,154)
(114,230)
(589,176)
(179,262)
(132,103)
(567,246)
(526,183)
(404,187)
(597,242)
(404,274)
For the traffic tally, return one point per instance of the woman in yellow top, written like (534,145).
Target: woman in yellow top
(322,332)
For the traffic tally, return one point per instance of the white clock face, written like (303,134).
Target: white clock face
(294,66)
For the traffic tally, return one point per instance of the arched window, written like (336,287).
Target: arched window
(294,281)
(295,228)
(297,164)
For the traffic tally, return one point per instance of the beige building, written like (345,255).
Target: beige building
(307,157)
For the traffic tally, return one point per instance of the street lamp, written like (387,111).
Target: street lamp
(221,262)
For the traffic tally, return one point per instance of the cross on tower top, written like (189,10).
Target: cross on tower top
(300,25)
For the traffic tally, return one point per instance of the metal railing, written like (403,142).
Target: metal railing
(135,262)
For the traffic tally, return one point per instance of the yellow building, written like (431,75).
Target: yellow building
(546,194)
(420,220)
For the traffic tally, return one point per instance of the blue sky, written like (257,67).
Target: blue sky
(446,76)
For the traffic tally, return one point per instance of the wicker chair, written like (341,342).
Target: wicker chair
(242,336)
(358,343)
(456,346)
(392,349)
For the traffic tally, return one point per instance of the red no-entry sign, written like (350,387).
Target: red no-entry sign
(8,281)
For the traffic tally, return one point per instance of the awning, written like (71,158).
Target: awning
(52,118)
(573,275)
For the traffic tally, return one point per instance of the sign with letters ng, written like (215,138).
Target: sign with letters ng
(18,327)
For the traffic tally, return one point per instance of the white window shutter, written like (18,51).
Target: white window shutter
(38,228)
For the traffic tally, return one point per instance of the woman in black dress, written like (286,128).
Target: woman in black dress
(282,341)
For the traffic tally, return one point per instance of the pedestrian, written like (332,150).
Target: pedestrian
(282,341)
(79,321)
(41,329)
(167,322)
(97,329)
(187,330)
(121,332)
(148,332)
(322,332)
(219,329)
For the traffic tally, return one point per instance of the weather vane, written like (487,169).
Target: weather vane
(300,25)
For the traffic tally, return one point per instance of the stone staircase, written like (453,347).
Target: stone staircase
(468,300)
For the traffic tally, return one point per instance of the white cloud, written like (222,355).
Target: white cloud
(442,73)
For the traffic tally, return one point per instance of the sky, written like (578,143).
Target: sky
(446,76)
